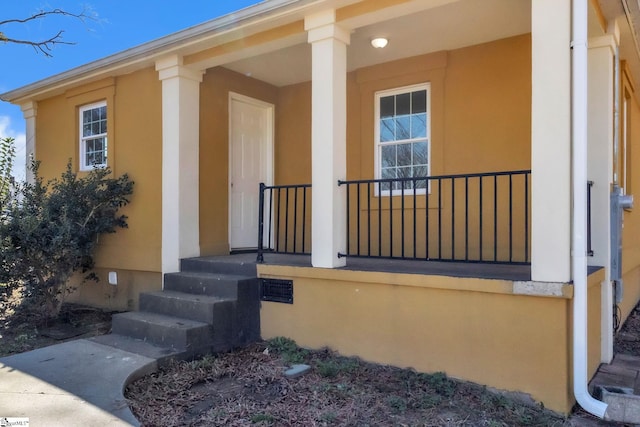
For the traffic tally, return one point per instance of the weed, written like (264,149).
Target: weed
(442,384)
(429,401)
(21,342)
(397,404)
(334,366)
(328,417)
(288,350)
(262,418)
(207,362)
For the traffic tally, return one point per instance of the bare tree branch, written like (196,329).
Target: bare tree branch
(43,13)
(44,46)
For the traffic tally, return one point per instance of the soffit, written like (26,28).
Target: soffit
(254,19)
(449,26)
(629,25)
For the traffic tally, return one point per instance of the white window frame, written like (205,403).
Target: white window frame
(83,139)
(378,144)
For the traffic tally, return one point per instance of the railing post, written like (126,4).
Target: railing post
(589,247)
(260,258)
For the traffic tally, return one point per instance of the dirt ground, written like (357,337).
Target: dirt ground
(247,387)
(19,334)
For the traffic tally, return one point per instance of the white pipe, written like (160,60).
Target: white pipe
(579,210)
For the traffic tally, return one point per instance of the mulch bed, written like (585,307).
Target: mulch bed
(18,333)
(247,387)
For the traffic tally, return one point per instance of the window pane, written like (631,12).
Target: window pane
(404,172)
(86,130)
(95,128)
(420,171)
(387,106)
(404,154)
(420,153)
(419,101)
(86,116)
(103,126)
(102,113)
(387,130)
(388,158)
(403,142)
(403,124)
(419,125)
(421,183)
(388,173)
(403,104)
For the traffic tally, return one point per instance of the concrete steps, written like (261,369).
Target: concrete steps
(212,305)
(618,385)
(163,330)
(208,283)
(219,265)
(201,308)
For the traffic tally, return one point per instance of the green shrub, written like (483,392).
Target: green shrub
(48,232)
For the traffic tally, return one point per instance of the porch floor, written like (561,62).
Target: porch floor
(436,268)
(517,272)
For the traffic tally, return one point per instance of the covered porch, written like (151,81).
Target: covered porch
(478,200)
(462,264)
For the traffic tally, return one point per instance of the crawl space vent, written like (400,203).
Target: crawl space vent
(277,290)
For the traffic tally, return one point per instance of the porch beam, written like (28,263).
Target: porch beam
(180,146)
(328,138)
(29,112)
(551,141)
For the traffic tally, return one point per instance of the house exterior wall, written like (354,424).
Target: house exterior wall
(631,218)
(480,122)
(214,151)
(472,329)
(134,147)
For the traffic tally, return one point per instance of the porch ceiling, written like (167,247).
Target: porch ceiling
(453,25)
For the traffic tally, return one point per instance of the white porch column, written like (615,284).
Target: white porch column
(551,141)
(600,170)
(328,138)
(180,145)
(29,111)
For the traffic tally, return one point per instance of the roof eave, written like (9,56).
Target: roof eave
(148,52)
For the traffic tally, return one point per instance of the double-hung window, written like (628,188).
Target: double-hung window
(403,137)
(93,136)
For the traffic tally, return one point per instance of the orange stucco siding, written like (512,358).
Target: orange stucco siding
(214,151)
(480,122)
(134,147)
(464,327)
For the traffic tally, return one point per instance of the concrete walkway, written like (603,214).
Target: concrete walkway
(80,383)
(76,383)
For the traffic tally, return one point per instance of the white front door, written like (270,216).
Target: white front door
(250,163)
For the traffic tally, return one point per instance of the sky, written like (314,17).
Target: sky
(114,27)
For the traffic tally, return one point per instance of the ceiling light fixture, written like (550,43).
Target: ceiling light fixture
(379,42)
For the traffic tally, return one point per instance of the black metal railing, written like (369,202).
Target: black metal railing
(284,219)
(482,217)
(589,247)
